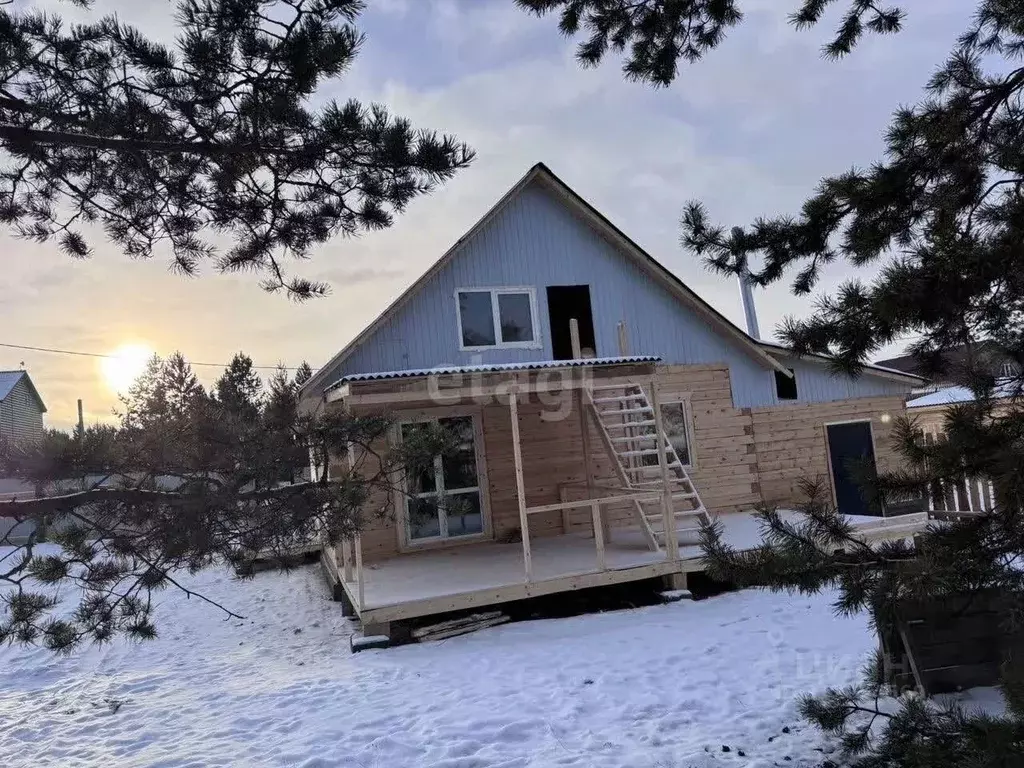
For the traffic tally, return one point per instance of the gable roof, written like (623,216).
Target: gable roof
(10,379)
(541,173)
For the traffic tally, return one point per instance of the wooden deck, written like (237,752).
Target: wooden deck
(490,573)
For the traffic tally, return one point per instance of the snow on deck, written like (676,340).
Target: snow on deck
(466,568)
(469,567)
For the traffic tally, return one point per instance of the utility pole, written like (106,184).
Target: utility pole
(81,419)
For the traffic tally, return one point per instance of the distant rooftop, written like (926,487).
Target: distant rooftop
(953,395)
(7,381)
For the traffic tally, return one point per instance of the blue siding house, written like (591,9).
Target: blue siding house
(542,247)
(664,413)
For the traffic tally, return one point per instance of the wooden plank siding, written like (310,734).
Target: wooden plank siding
(742,457)
(724,462)
(790,441)
(20,416)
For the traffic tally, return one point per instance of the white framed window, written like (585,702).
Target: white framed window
(443,498)
(497,318)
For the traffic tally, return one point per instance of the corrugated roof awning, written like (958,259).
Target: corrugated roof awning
(494,368)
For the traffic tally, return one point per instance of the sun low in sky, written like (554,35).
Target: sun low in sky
(124,366)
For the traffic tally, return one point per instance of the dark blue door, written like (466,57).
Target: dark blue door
(850,443)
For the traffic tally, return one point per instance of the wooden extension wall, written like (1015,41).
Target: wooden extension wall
(790,441)
(743,457)
(377,517)
(725,468)
(550,439)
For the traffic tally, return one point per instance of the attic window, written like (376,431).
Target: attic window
(785,386)
(492,318)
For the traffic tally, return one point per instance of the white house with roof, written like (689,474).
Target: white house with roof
(21,408)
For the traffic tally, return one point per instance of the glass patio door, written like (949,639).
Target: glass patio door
(443,497)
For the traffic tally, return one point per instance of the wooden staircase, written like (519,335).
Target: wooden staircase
(626,424)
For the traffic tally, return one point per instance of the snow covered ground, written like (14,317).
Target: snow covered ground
(669,686)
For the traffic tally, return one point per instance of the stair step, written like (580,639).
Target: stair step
(676,495)
(630,424)
(640,452)
(654,468)
(656,485)
(625,411)
(650,436)
(619,399)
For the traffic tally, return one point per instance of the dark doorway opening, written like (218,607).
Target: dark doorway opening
(851,452)
(564,303)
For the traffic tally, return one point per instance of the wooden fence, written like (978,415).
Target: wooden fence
(971,494)
(950,643)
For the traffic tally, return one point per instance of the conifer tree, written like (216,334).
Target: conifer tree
(941,217)
(105,134)
(239,390)
(176,486)
(303,374)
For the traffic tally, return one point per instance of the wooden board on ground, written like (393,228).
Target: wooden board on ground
(457,627)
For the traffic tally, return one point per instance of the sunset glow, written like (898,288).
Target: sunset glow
(122,369)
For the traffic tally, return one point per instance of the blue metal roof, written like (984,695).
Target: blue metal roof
(495,368)
(7,381)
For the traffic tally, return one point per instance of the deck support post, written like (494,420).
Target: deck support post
(595,516)
(675,581)
(359,572)
(517,454)
(668,517)
(347,543)
(588,467)
(346,560)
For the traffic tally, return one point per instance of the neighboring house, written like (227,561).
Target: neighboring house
(984,354)
(604,349)
(930,409)
(21,408)
(929,412)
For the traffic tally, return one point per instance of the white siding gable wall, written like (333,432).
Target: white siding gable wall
(535,240)
(20,417)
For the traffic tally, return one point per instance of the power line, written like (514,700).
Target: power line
(118,357)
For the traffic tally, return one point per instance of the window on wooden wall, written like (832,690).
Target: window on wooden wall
(677,422)
(785,386)
(443,495)
(491,318)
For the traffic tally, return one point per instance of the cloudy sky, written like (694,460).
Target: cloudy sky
(749,131)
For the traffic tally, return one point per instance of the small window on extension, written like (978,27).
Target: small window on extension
(785,386)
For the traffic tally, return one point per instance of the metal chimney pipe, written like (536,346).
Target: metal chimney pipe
(749,310)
